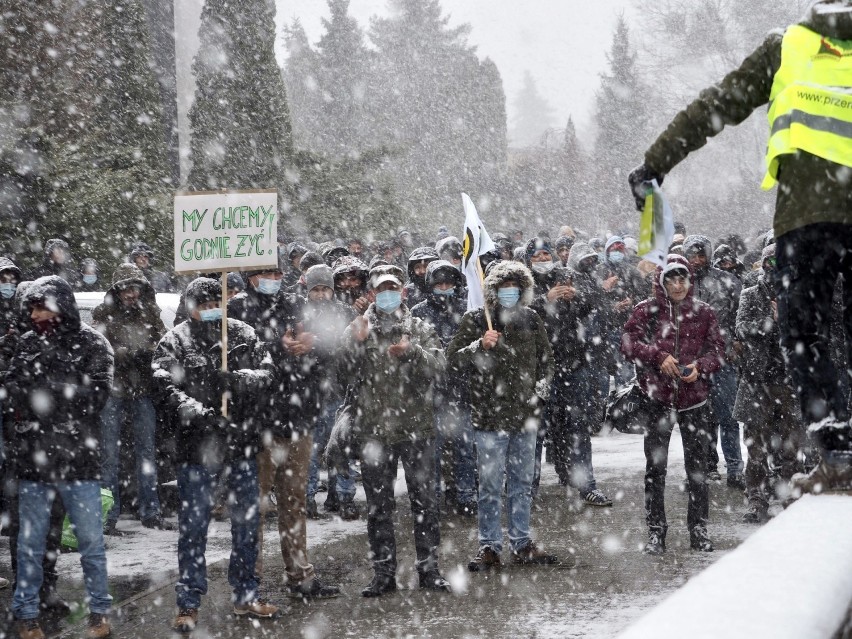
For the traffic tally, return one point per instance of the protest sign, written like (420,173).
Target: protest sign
(225,230)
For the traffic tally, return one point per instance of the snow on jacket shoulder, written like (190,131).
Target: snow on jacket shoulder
(689,332)
(186,367)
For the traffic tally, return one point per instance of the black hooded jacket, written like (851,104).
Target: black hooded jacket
(186,367)
(416,289)
(307,382)
(445,313)
(57,385)
(133,332)
(159,280)
(67,270)
(565,323)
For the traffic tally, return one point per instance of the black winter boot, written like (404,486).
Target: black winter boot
(656,542)
(698,539)
(332,502)
(380,585)
(432,580)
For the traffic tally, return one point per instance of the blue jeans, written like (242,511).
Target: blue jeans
(510,455)
(723,393)
(144,422)
(453,428)
(345,486)
(82,501)
(196,488)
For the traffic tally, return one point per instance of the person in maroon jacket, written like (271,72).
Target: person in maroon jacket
(675,342)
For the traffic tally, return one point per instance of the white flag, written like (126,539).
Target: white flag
(476,242)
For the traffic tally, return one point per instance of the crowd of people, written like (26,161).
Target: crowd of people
(371,349)
(351,350)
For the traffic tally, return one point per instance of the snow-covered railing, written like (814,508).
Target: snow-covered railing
(791,579)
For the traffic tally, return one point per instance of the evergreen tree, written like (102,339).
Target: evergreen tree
(87,163)
(114,181)
(302,79)
(344,70)
(241,136)
(533,115)
(34,61)
(621,116)
(431,106)
(341,197)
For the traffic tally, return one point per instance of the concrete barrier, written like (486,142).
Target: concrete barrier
(792,579)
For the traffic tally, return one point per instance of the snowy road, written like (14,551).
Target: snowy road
(610,584)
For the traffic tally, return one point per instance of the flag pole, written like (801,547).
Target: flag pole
(484,306)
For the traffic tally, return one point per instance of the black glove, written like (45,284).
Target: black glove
(640,178)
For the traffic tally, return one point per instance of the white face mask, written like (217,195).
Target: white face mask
(542,268)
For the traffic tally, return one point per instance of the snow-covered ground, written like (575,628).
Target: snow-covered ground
(790,580)
(153,553)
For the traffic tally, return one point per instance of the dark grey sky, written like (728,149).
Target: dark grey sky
(562,42)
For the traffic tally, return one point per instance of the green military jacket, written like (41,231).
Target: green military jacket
(393,396)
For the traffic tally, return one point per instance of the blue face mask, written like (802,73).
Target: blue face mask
(388,301)
(508,297)
(7,290)
(448,293)
(616,257)
(90,279)
(211,315)
(268,287)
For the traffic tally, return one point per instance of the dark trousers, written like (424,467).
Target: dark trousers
(694,431)
(810,259)
(378,472)
(775,440)
(54,537)
(570,419)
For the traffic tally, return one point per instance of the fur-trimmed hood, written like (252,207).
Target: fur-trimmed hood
(508,271)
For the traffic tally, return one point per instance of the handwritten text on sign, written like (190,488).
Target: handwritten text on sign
(231,231)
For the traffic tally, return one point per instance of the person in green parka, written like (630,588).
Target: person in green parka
(509,365)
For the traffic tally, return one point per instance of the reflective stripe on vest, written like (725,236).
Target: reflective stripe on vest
(811,100)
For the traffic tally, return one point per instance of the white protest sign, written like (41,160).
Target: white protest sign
(226,230)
